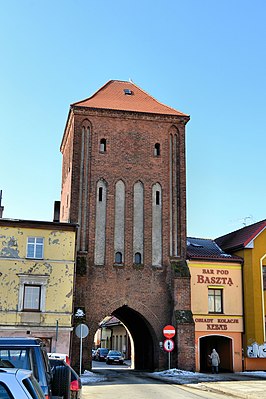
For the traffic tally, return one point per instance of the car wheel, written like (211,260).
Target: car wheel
(61,382)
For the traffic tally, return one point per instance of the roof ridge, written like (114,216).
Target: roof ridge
(159,102)
(94,94)
(200,238)
(263,221)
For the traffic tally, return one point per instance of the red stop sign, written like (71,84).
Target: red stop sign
(169,331)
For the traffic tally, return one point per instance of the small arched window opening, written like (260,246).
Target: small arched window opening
(157,150)
(157,199)
(100,194)
(118,257)
(137,258)
(103,145)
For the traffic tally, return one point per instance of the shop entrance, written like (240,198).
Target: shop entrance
(223,345)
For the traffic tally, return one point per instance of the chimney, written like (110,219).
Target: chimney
(56,211)
(1,207)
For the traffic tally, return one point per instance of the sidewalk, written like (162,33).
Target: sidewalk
(238,389)
(246,385)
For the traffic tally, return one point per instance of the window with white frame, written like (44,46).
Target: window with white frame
(32,292)
(215,300)
(32,297)
(35,247)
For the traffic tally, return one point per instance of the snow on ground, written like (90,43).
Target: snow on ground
(176,376)
(187,377)
(89,377)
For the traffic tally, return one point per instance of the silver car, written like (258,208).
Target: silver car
(18,383)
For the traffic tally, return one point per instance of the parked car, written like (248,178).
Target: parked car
(93,352)
(17,383)
(30,354)
(101,354)
(114,357)
(63,356)
(75,383)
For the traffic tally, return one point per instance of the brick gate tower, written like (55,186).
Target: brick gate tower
(123,182)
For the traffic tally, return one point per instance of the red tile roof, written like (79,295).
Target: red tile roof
(240,238)
(112,96)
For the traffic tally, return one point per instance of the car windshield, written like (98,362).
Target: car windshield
(104,351)
(114,353)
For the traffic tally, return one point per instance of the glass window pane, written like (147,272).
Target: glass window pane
(118,257)
(4,391)
(39,249)
(30,252)
(211,303)
(32,297)
(218,304)
(137,258)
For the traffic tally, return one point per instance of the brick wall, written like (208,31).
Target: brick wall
(129,156)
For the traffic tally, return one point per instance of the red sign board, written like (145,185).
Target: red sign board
(168,345)
(169,331)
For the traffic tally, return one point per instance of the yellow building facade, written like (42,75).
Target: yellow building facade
(37,267)
(250,243)
(216,304)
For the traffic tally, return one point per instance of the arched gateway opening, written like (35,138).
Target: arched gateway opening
(223,345)
(127,331)
(143,337)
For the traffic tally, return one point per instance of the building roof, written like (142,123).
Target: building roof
(110,321)
(37,224)
(126,96)
(207,249)
(241,238)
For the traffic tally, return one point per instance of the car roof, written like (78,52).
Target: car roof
(21,372)
(20,341)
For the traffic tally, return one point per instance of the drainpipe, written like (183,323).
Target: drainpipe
(262,296)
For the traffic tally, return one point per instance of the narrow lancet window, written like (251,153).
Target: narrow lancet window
(118,257)
(157,198)
(137,258)
(100,194)
(103,145)
(157,150)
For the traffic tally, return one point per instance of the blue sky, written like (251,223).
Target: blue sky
(206,58)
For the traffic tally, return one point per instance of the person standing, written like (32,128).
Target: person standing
(215,361)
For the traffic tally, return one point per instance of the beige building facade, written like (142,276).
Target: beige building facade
(217,304)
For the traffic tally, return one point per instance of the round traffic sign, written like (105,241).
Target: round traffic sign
(82,330)
(169,331)
(168,345)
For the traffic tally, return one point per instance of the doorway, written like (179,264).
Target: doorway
(223,346)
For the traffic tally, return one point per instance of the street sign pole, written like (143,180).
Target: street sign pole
(81,331)
(80,355)
(169,332)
